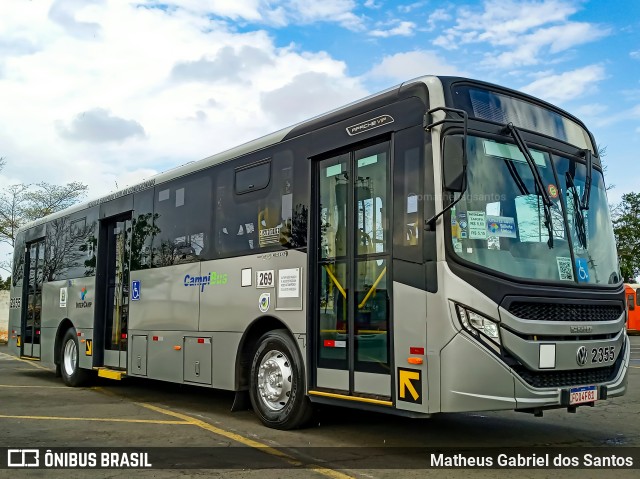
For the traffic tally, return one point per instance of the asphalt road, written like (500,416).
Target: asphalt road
(37,410)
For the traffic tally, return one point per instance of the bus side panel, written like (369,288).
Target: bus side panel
(232,307)
(15,315)
(54,310)
(169,298)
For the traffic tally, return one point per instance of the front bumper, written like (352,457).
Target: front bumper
(476,379)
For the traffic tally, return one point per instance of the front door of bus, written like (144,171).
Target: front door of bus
(353,275)
(32,312)
(117,291)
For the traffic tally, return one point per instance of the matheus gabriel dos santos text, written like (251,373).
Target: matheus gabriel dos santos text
(520,460)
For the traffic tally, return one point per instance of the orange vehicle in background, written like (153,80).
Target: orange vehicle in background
(633,307)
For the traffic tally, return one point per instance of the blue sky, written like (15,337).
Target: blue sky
(109,92)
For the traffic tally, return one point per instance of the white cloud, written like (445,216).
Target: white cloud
(100,126)
(568,85)
(591,110)
(271,12)
(635,55)
(521,32)
(154,89)
(403,66)
(411,7)
(65,12)
(404,29)
(437,16)
(309,94)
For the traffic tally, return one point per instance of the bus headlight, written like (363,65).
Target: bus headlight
(476,323)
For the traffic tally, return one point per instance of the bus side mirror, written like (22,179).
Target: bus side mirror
(454,163)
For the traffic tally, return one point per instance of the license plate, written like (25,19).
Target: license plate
(583,394)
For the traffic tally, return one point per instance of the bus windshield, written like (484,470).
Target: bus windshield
(500,221)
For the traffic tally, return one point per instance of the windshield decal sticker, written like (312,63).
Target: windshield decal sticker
(477,225)
(565,269)
(582,269)
(553,191)
(504,226)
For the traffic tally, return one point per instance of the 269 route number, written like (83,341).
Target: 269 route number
(265,279)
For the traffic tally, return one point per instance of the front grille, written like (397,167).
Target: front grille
(575,377)
(535,311)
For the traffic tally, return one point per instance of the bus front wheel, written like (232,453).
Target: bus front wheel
(72,374)
(277,382)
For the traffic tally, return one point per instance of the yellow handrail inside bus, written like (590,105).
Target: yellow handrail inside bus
(335,281)
(373,287)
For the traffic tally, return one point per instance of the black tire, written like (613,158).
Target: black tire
(277,388)
(72,374)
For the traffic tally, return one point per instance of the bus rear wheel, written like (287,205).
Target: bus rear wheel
(72,374)
(277,382)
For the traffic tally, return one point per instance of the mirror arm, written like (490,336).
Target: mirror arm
(429,124)
(587,183)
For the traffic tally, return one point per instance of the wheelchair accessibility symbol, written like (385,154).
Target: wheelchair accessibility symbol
(135,290)
(583,270)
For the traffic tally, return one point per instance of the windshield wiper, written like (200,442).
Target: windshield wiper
(578,216)
(546,200)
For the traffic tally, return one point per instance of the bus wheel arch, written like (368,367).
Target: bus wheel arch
(248,345)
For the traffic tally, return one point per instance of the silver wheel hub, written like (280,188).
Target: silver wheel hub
(70,357)
(275,380)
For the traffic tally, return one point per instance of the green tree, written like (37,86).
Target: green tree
(22,203)
(5,284)
(626,227)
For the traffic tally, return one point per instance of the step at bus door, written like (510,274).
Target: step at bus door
(352,294)
(116,314)
(32,294)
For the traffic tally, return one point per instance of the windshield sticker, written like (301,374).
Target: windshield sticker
(582,269)
(553,191)
(565,269)
(457,246)
(493,242)
(512,152)
(477,225)
(501,226)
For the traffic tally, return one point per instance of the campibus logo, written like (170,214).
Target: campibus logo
(212,278)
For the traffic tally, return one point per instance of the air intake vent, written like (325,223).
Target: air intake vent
(539,311)
(558,379)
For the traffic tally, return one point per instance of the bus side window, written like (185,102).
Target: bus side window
(408,179)
(630,302)
(18,262)
(182,220)
(254,205)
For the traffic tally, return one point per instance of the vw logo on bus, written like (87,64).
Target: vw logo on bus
(581,356)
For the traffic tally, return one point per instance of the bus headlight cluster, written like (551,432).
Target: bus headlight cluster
(477,324)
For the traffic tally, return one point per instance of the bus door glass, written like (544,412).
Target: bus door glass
(32,313)
(117,294)
(353,297)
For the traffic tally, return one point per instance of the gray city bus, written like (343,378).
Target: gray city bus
(442,246)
